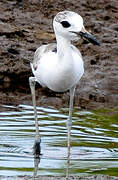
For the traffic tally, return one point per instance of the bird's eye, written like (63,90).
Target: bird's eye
(65,24)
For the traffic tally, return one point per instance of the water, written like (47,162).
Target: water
(94,141)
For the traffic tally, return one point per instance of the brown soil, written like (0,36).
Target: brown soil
(25,25)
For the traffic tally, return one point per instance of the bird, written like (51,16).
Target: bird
(59,66)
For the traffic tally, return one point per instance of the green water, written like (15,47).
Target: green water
(94,146)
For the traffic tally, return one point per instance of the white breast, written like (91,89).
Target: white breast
(59,75)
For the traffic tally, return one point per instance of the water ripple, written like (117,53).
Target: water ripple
(94,141)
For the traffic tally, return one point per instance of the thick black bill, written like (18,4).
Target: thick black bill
(89,37)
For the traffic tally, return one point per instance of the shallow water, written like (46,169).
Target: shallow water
(94,147)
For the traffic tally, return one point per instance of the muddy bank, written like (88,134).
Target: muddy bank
(96,177)
(25,25)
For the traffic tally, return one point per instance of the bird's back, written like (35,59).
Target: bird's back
(41,51)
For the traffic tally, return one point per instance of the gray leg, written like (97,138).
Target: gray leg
(72,92)
(32,83)
(69,124)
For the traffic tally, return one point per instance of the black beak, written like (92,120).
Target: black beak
(86,35)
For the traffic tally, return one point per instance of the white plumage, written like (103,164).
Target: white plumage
(57,74)
(60,66)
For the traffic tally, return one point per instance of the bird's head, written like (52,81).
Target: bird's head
(70,25)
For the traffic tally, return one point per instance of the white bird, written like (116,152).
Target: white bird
(60,66)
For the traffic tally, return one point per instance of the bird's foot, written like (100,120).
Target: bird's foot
(37,148)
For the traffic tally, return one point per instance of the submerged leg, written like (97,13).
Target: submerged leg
(69,124)
(32,83)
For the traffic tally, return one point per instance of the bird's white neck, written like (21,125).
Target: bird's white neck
(63,46)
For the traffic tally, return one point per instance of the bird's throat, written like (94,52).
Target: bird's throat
(63,47)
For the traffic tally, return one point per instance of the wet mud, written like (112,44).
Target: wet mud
(96,177)
(25,25)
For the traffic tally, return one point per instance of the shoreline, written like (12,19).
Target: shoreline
(86,177)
